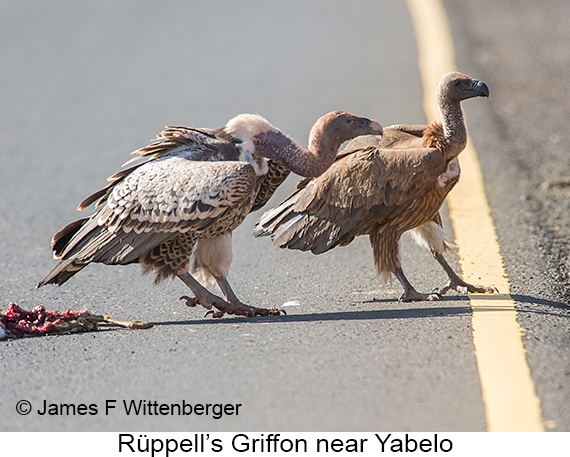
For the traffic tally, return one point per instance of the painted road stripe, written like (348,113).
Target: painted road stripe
(511,403)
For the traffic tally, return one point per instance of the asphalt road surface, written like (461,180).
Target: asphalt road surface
(85,84)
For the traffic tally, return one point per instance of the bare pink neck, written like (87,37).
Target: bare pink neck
(310,163)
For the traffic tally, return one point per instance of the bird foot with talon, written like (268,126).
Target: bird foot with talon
(217,308)
(464,288)
(413,295)
(216,313)
(191,301)
(241,309)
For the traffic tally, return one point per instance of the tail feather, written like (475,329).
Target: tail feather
(85,241)
(62,271)
(62,238)
(302,231)
(272,218)
(74,245)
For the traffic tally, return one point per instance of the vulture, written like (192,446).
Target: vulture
(174,211)
(383,187)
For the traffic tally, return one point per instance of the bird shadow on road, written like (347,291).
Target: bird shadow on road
(527,304)
(400,313)
(404,311)
(539,301)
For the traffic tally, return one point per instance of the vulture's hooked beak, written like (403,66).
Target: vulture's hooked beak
(375,128)
(480,88)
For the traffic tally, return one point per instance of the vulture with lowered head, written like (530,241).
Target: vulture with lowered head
(176,210)
(383,187)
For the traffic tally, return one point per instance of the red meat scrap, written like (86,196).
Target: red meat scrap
(17,322)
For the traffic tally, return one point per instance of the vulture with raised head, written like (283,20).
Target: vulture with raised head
(177,208)
(383,187)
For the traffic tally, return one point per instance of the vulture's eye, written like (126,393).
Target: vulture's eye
(349,121)
(457,82)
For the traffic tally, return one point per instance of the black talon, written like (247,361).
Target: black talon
(190,301)
(210,311)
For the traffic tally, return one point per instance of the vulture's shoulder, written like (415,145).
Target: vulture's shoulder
(395,136)
(190,143)
(403,136)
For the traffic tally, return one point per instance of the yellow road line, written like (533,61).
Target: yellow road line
(511,403)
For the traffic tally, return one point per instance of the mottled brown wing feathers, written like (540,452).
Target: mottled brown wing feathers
(178,193)
(269,183)
(395,136)
(102,194)
(359,191)
(154,203)
(190,143)
(359,143)
(375,176)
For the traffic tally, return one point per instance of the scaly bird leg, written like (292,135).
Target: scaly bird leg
(411,294)
(456,283)
(208,300)
(232,298)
